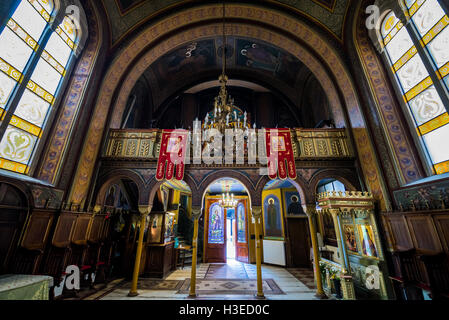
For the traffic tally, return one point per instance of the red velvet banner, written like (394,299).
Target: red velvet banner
(280,151)
(173,152)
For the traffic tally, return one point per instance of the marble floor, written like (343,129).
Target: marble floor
(293,288)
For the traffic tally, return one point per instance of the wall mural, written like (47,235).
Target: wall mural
(256,55)
(330,14)
(350,239)
(368,244)
(206,55)
(293,203)
(272,217)
(216,224)
(184,60)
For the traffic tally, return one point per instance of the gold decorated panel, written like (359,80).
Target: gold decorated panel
(323,143)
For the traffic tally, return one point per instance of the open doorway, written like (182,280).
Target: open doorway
(230,234)
(226,222)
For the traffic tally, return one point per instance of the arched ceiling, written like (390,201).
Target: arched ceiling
(252,64)
(246,58)
(126,15)
(226,185)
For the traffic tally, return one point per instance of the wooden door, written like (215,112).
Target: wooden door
(214,232)
(13,211)
(299,241)
(241,231)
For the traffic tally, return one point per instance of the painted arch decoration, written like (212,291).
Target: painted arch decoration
(333,64)
(26,106)
(425,106)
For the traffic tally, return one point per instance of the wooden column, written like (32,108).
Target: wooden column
(311,212)
(257,214)
(144,212)
(196,213)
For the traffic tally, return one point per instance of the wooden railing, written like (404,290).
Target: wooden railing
(308,144)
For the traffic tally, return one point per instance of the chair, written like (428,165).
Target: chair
(437,271)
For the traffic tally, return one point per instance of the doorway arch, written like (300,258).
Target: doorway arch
(13,214)
(227,230)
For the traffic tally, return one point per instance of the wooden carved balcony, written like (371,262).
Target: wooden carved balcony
(308,144)
(322,144)
(133,144)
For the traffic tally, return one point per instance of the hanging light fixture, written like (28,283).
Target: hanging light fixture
(225,114)
(228,201)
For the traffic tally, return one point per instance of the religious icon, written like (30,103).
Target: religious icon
(272,217)
(277,144)
(293,203)
(216,224)
(174,145)
(368,243)
(350,240)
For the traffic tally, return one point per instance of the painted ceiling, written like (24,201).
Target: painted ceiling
(226,185)
(177,185)
(278,184)
(125,15)
(243,56)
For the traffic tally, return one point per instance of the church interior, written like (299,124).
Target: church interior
(186,149)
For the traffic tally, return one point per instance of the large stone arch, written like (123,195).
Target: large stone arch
(23,188)
(114,176)
(153,185)
(348,178)
(303,189)
(274,27)
(246,181)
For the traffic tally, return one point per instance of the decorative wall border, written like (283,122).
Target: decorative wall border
(113,9)
(276,20)
(71,106)
(386,103)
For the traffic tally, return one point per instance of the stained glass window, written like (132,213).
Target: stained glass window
(425,105)
(241,223)
(216,224)
(23,36)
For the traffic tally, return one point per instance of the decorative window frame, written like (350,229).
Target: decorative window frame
(62,8)
(400,10)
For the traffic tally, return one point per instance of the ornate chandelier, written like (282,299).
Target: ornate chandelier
(228,201)
(225,114)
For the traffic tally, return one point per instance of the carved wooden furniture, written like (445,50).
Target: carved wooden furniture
(59,251)
(437,272)
(158,259)
(420,251)
(31,250)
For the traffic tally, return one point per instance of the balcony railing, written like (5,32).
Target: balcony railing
(308,144)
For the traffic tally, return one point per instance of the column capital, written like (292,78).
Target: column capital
(145,210)
(97,208)
(334,212)
(310,210)
(256,211)
(196,212)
